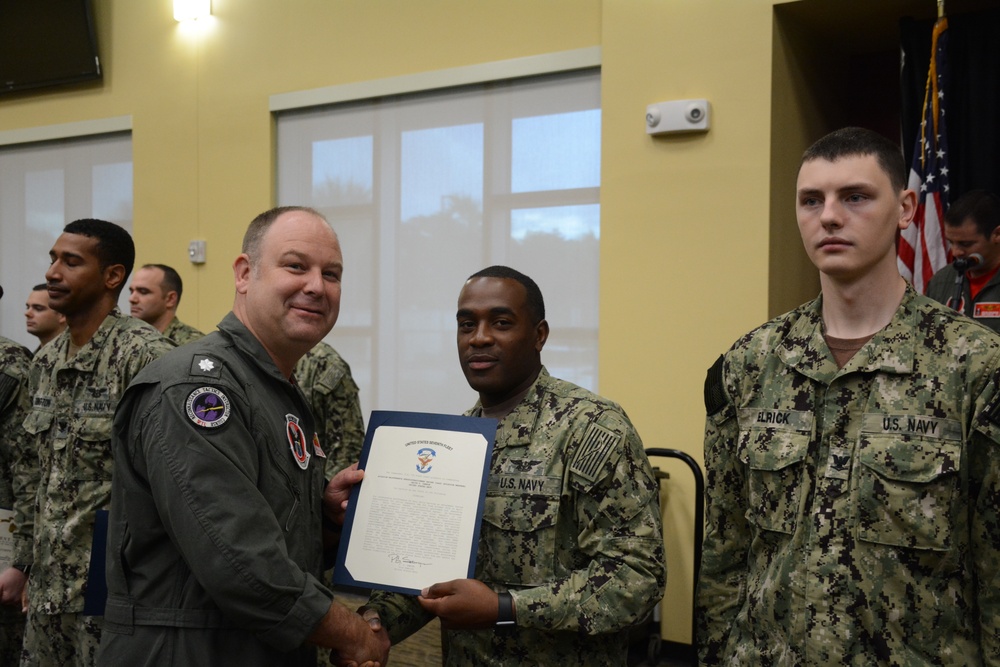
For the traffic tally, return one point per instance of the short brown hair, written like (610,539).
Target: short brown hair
(858,141)
(259,226)
(980,206)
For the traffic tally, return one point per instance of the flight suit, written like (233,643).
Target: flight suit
(215,539)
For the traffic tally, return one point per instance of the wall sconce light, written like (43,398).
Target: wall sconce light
(190,10)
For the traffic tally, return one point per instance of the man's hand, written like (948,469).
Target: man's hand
(352,639)
(12,586)
(338,491)
(24,597)
(461,604)
(371,617)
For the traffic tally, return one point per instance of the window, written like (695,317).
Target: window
(44,186)
(426,189)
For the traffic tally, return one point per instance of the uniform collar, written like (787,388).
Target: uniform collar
(174,324)
(518,426)
(87,357)
(891,350)
(244,341)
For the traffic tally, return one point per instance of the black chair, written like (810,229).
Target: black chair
(654,640)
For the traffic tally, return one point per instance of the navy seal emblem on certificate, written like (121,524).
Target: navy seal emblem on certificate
(207,407)
(424,458)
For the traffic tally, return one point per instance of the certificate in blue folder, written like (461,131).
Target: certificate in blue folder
(414,519)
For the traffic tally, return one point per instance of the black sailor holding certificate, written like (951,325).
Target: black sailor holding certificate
(570,551)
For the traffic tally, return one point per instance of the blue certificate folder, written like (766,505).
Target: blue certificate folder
(399,534)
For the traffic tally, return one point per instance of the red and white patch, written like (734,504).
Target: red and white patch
(986,309)
(297,441)
(317,450)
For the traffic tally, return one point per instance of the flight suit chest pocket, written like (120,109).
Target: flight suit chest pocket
(775,461)
(907,490)
(518,542)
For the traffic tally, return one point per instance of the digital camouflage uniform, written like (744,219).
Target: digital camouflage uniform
(325,379)
(985,308)
(180,333)
(571,528)
(19,474)
(69,425)
(215,541)
(852,514)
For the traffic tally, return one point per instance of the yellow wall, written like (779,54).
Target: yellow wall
(685,221)
(684,227)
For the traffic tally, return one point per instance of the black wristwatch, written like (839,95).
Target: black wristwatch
(25,568)
(505,610)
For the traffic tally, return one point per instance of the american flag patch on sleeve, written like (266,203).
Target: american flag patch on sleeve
(598,445)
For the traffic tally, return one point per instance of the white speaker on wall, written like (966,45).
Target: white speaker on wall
(678,116)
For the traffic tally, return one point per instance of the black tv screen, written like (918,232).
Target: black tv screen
(46,43)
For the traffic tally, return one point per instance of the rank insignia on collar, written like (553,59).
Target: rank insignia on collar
(207,407)
(206,366)
(297,441)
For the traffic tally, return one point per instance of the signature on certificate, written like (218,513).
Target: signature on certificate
(396,559)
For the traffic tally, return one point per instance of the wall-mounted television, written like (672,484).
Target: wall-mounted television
(46,43)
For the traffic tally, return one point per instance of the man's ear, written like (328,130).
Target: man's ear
(171,299)
(907,208)
(541,334)
(995,235)
(114,276)
(241,272)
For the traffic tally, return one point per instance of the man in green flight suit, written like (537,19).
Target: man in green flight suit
(220,514)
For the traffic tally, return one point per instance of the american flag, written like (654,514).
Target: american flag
(922,246)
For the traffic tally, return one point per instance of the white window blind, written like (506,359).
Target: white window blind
(426,189)
(43,187)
